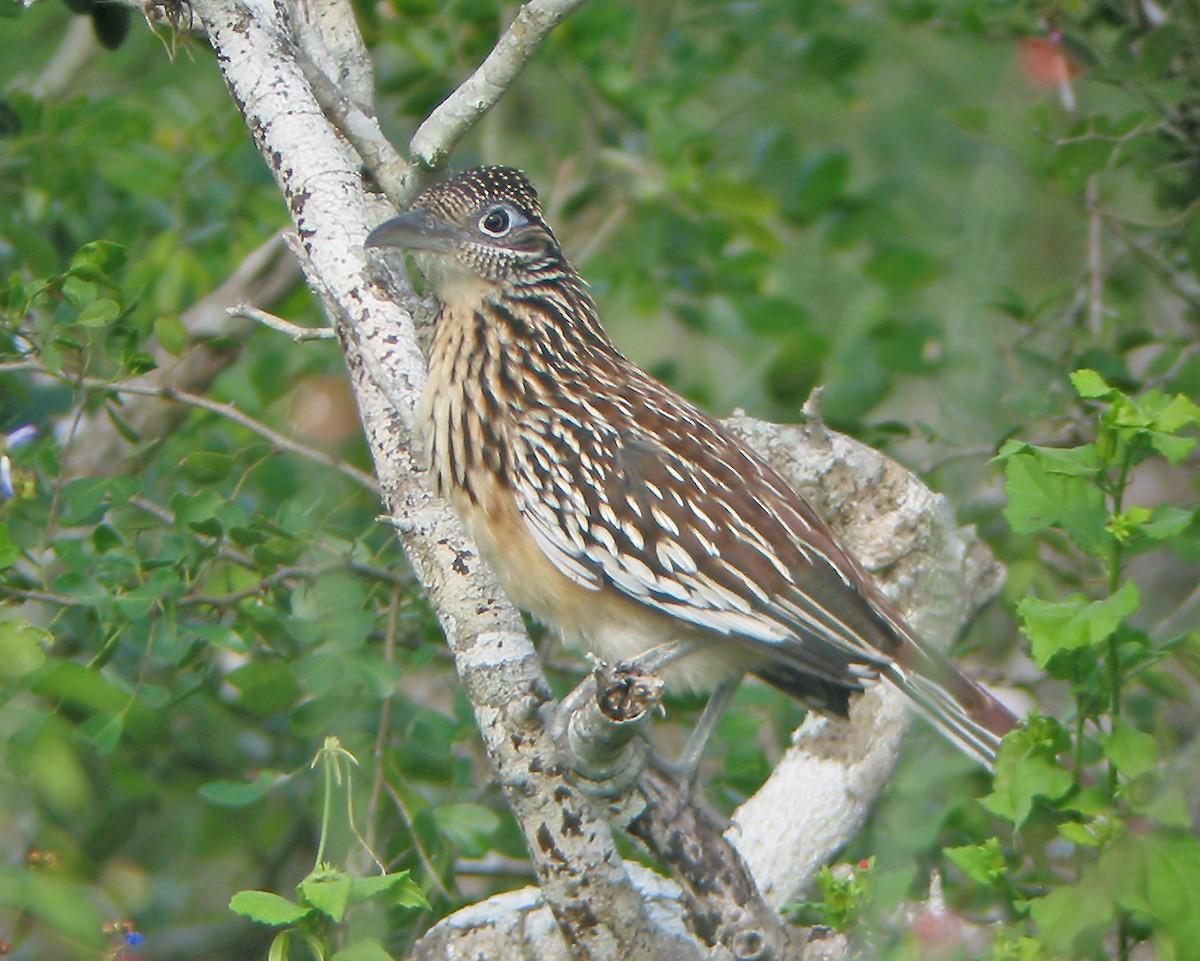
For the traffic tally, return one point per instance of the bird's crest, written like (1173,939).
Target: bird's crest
(466,191)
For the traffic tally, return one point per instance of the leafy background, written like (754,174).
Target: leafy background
(937,210)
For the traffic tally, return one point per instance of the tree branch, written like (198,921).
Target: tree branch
(457,114)
(595,906)
(938,574)
(276,439)
(342,76)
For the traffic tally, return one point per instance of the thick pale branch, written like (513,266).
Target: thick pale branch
(601,915)
(342,76)
(819,795)
(518,926)
(653,804)
(328,33)
(443,129)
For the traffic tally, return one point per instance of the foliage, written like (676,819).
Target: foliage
(1097,851)
(933,208)
(845,891)
(326,893)
(1134,861)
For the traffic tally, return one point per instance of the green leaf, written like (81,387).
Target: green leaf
(267,908)
(103,730)
(83,588)
(901,268)
(1133,752)
(328,892)
(220,636)
(1020,778)
(279,550)
(9,552)
(1067,913)
(104,538)
(207,467)
(1180,412)
(973,121)
(1081,461)
(1039,497)
(90,690)
(1173,448)
(100,313)
(1055,626)
(368,949)
(1166,522)
(236,794)
(817,188)
(469,826)
(85,500)
(1090,385)
(170,332)
(1080,833)
(63,906)
(280,946)
(1158,875)
(22,648)
(1076,160)
(102,254)
(266,685)
(138,602)
(982,863)
(398,889)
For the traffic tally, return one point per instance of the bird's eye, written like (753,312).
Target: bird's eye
(496,222)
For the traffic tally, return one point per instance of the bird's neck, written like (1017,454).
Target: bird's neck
(498,355)
(521,342)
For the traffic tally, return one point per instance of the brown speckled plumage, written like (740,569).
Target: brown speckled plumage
(616,511)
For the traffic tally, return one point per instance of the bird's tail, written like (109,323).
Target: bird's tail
(962,710)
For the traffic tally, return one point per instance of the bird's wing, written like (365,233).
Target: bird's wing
(676,515)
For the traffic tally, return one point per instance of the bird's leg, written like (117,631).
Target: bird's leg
(693,751)
(658,657)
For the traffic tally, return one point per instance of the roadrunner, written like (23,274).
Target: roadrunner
(618,513)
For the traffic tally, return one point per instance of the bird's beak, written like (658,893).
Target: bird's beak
(416,230)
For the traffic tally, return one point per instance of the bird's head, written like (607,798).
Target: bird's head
(480,228)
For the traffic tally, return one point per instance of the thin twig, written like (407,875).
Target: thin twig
(298,333)
(494,865)
(1167,376)
(284,574)
(391,171)
(455,115)
(430,869)
(1175,621)
(1159,269)
(230,412)
(226,552)
(49,597)
(383,730)
(1095,259)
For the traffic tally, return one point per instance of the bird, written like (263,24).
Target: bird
(618,513)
